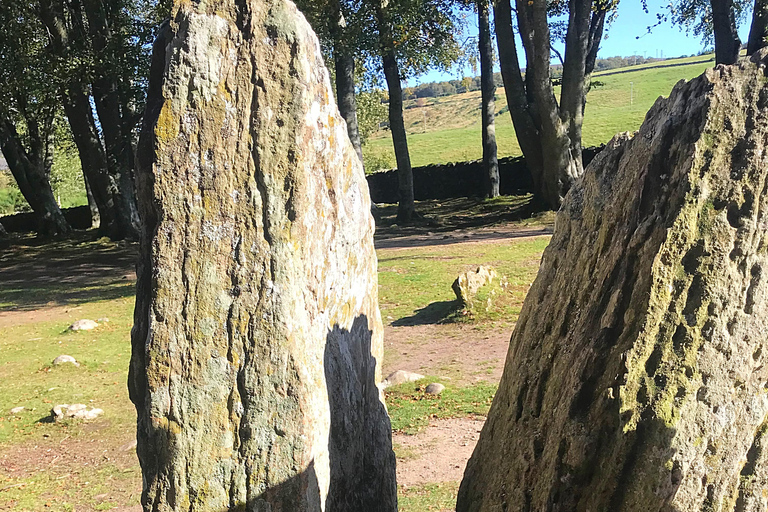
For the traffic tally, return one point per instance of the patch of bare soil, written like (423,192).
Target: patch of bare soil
(461,354)
(437,454)
(68,464)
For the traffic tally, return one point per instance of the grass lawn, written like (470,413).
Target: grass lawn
(452,129)
(87,466)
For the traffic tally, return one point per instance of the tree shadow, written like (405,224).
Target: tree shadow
(434,313)
(35,273)
(362,462)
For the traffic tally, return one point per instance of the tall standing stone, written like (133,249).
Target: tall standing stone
(637,376)
(257,340)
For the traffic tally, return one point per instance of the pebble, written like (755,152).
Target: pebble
(17,410)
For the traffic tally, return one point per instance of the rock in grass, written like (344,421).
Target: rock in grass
(75,411)
(469,283)
(399,377)
(83,325)
(434,388)
(636,374)
(65,359)
(262,395)
(17,410)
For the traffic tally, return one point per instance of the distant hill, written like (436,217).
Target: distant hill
(447,128)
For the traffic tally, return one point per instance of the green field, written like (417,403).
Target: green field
(451,132)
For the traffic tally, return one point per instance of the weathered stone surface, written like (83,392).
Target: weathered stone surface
(65,359)
(434,388)
(468,283)
(400,376)
(636,375)
(83,325)
(75,411)
(257,340)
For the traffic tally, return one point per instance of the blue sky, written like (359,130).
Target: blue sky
(627,36)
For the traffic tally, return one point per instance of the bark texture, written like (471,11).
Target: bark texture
(257,341)
(727,42)
(636,376)
(488,93)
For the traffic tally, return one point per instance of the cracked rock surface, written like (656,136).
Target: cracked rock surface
(637,378)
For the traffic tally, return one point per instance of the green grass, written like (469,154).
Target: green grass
(415,283)
(452,131)
(410,280)
(410,408)
(429,497)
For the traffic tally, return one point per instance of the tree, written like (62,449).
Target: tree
(727,43)
(758,32)
(101,51)
(413,35)
(28,108)
(490,158)
(549,132)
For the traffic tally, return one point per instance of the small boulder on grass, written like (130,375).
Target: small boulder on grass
(83,325)
(65,359)
(399,377)
(75,411)
(17,410)
(434,389)
(467,284)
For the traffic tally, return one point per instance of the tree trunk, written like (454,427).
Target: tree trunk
(488,109)
(758,32)
(32,171)
(727,43)
(92,158)
(95,217)
(549,133)
(344,63)
(526,130)
(560,168)
(117,139)
(406,206)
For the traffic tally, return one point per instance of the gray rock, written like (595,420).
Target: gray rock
(75,411)
(258,227)
(83,325)
(434,389)
(17,410)
(399,377)
(130,445)
(467,284)
(65,359)
(636,374)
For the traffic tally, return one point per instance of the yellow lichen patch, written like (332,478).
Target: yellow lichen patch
(167,127)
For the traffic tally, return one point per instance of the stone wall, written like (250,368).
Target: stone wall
(459,179)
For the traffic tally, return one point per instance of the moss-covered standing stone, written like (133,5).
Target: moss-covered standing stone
(637,375)
(257,339)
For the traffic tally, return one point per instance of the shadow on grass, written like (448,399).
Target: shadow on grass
(434,313)
(35,273)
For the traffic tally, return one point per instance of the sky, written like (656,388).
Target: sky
(628,35)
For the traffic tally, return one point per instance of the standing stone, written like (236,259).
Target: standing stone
(636,376)
(257,341)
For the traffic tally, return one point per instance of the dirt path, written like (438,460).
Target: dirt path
(439,453)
